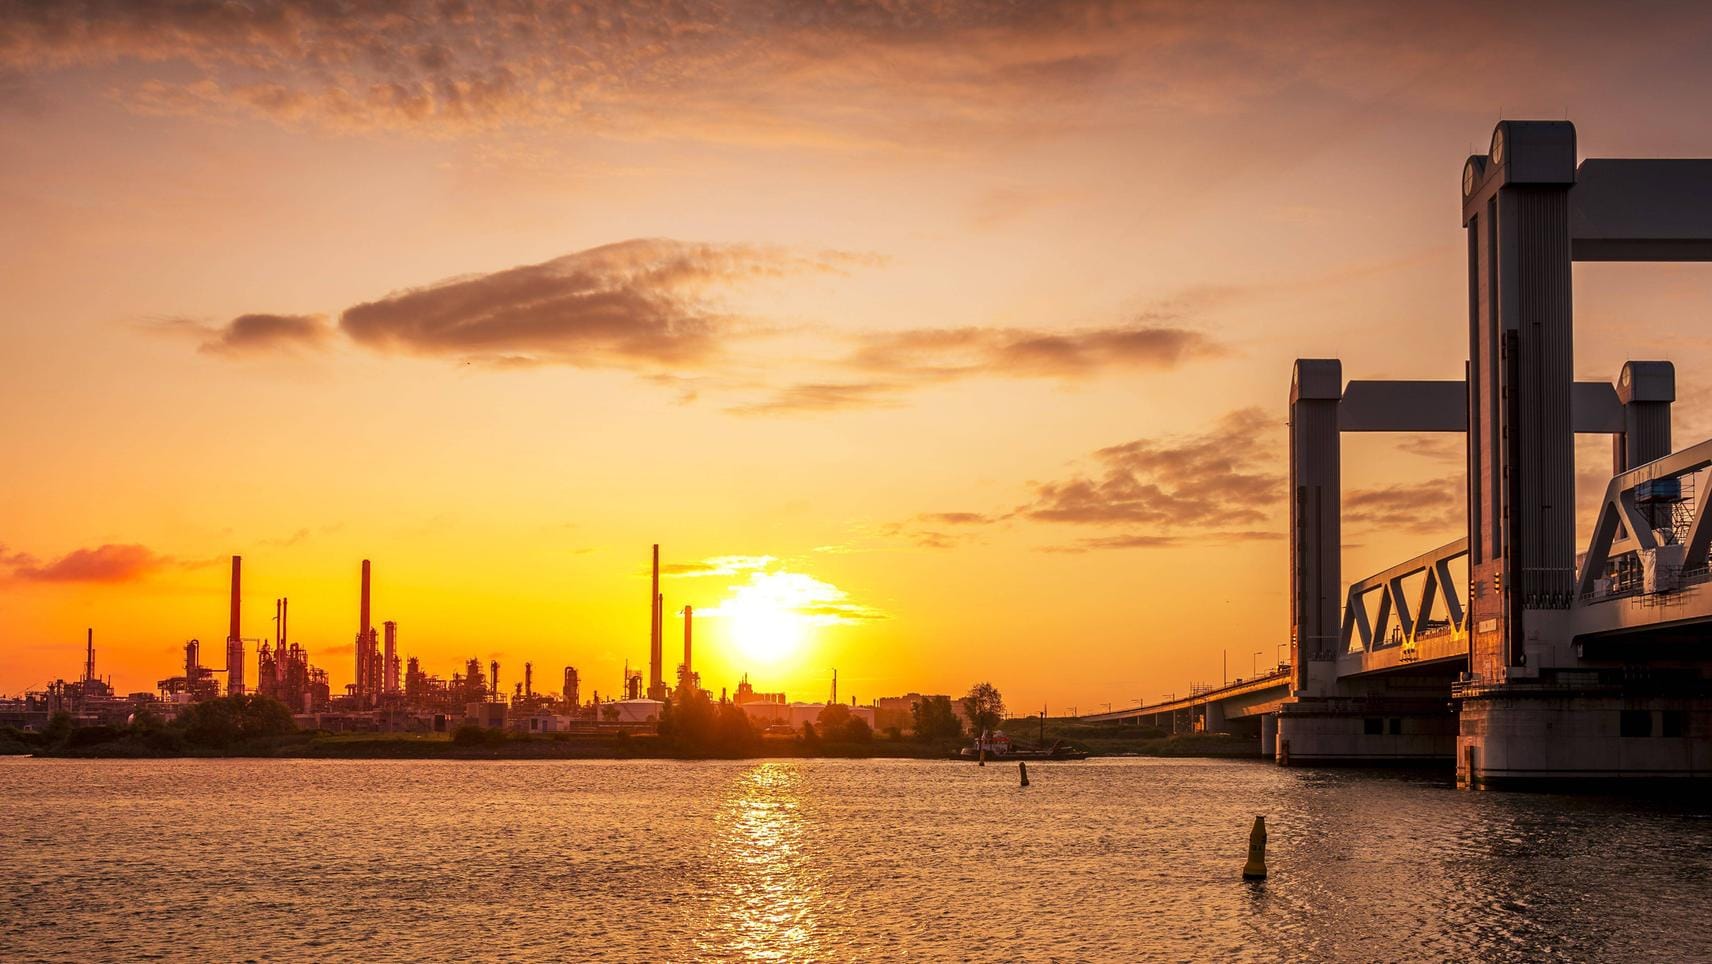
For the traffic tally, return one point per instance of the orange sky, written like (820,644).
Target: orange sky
(974,319)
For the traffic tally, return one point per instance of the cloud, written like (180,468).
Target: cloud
(913,74)
(1429,505)
(285,542)
(1439,448)
(259,334)
(891,364)
(958,518)
(822,397)
(763,71)
(768,596)
(1211,487)
(109,563)
(926,531)
(1216,479)
(716,566)
(1154,540)
(959,352)
(641,304)
(653,307)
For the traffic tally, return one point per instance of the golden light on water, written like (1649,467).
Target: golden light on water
(766,909)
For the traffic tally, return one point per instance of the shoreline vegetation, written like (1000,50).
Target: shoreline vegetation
(257,727)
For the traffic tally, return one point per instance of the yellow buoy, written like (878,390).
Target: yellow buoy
(1255,869)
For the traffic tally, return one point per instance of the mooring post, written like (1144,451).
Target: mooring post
(1022,767)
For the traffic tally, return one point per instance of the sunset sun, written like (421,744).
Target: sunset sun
(766,628)
(773,616)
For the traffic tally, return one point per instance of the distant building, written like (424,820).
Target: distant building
(800,713)
(638,711)
(899,711)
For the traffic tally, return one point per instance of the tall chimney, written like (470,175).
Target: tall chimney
(234,635)
(493,674)
(278,621)
(363,607)
(389,659)
(89,659)
(237,583)
(689,617)
(528,679)
(279,666)
(656,655)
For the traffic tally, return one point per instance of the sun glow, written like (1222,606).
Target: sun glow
(772,617)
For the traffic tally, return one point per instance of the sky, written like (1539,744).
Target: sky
(934,342)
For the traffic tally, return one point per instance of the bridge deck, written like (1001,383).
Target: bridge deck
(1277,680)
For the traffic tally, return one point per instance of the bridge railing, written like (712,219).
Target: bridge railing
(1652,533)
(1404,618)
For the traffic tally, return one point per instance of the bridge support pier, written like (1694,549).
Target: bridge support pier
(1516,737)
(1345,731)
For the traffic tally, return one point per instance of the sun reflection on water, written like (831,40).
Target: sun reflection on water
(768,887)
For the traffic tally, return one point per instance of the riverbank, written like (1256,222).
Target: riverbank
(431,746)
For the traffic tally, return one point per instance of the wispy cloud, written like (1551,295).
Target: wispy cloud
(260,334)
(644,304)
(110,563)
(882,368)
(822,397)
(717,566)
(1219,485)
(1154,540)
(1223,477)
(959,352)
(1427,505)
(916,74)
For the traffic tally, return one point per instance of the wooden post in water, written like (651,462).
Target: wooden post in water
(1022,767)
(1255,869)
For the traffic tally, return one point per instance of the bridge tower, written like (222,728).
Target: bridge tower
(1521,455)
(1543,698)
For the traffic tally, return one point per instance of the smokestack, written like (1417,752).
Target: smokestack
(237,583)
(689,617)
(278,622)
(528,679)
(89,659)
(389,667)
(279,667)
(493,677)
(363,607)
(234,636)
(656,655)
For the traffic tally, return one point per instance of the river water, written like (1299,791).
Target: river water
(1110,860)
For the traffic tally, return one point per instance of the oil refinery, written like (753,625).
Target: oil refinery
(392,692)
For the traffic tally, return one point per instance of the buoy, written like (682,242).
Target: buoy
(1023,768)
(1255,869)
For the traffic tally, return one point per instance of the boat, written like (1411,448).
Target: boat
(998,746)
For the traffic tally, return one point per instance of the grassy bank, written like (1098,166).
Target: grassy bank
(109,743)
(1117,739)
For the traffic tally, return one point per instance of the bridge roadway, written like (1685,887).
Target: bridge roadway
(1243,699)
